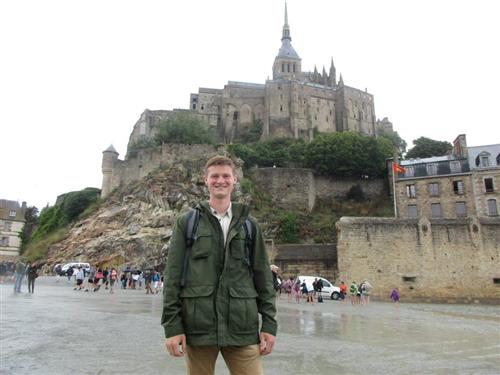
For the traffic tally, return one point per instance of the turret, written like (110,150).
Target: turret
(287,65)
(324,77)
(109,159)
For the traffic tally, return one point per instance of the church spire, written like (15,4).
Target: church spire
(286,28)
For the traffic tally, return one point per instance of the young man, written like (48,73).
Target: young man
(217,309)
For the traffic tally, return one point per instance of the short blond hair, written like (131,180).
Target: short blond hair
(220,160)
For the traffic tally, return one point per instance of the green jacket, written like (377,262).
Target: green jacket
(220,303)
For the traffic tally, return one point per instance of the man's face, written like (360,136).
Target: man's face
(220,180)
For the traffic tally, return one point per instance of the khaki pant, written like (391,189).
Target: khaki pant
(240,360)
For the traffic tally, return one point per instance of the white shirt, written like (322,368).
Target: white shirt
(224,219)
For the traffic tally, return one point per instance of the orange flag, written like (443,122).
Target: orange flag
(398,168)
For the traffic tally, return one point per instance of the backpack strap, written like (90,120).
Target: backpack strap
(192,225)
(249,245)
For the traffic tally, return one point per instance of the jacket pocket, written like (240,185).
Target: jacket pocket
(202,244)
(243,312)
(198,315)
(238,246)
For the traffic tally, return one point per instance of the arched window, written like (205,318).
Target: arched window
(498,159)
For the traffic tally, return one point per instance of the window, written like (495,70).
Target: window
(410,191)
(461,209)
(433,189)
(458,187)
(283,70)
(288,67)
(281,108)
(410,171)
(432,169)
(412,211)
(12,213)
(202,107)
(498,159)
(492,207)
(488,185)
(4,241)
(485,161)
(194,106)
(455,166)
(294,68)
(7,226)
(436,210)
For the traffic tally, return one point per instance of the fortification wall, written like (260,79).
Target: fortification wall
(147,160)
(298,188)
(291,188)
(330,187)
(451,260)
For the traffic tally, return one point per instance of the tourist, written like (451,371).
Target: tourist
(287,287)
(97,278)
(296,290)
(222,295)
(113,275)
(343,291)
(353,292)
(105,277)
(32,273)
(80,276)
(3,271)
(90,280)
(366,288)
(156,281)
(19,273)
(395,296)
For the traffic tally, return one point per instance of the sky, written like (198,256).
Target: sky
(76,75)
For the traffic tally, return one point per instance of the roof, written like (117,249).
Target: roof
(287,51)
(475,151)
(432,159)
(111,149)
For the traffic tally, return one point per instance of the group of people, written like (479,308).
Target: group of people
(360,294)
(97,277)
(107,277)
(297,289)
(18,271)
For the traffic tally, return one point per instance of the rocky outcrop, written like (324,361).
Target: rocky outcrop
(132,227)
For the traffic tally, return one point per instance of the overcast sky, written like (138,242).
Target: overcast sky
(76,75)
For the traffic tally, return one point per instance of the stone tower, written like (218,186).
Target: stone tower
(109,159)
(287,65)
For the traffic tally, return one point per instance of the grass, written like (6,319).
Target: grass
(38,249)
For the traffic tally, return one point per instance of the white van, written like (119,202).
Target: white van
(329,290)
(75,266)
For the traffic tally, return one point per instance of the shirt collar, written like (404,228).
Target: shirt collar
(228,213)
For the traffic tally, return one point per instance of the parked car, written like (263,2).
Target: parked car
(328,290)
(75,266)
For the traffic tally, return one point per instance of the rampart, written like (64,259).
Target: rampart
(298,188)
(437,260)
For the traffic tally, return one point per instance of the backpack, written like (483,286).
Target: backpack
(190,237)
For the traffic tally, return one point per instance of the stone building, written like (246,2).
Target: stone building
(11,224)
(294,103)
(463,184)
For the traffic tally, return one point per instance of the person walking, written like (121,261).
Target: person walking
(19,273)
(80,276)
(395,296)
(343,291)
(31,271)
(214,290)
(366,289)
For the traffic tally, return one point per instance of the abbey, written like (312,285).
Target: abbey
(294,103)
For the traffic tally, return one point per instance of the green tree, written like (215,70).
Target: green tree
(31,217)
(348,154)
(289,228)
(185,129)
(425,147)
(398,142)
(250,134)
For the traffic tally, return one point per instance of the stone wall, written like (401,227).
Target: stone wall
(298,188)
(331,188)
(447,260)
(312,260)
(147,160)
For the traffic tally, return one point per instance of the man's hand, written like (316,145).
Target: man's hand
(172,344)
(266,343)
